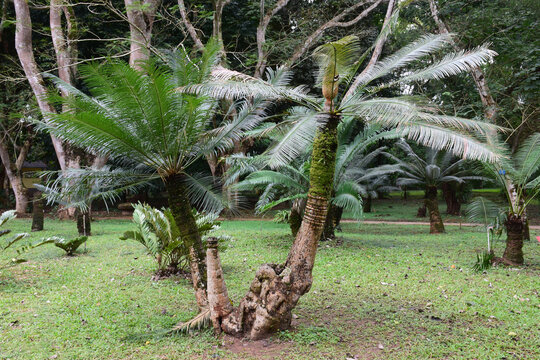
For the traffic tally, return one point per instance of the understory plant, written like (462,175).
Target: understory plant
(157,231)
(70,246)
(10,241)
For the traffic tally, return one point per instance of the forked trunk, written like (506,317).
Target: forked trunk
(37,212)
(83,223)
(189,232)
(276,289)
(436,225)
(513,254)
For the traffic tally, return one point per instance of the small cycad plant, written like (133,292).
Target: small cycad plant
(70,246)
(10,241)
(156,230)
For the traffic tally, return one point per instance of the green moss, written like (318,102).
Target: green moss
(323,159)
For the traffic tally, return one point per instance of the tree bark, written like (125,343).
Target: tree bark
(13,173)
(277,288)
(336,21)
(377,50)
(23,45)
(261,34)
(141,14)
(367,203)
(37,212)
(218,299)
(83,223)
(189,232)
(453,205)
(513,254)
(189,26)
(436,225)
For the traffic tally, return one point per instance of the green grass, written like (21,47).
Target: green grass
(387,292)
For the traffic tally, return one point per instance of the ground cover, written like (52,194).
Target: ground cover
(380,291)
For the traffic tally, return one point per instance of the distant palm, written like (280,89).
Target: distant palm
(431,172)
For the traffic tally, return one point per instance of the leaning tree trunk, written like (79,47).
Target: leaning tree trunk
(37,212)
(453,206)
(83,223)
(330,224)
(436,225)
(277,288)
(189,233)
(513,254)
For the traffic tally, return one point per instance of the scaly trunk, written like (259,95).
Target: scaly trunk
(329,225)
(366,206)
(453,206)
(277,288)
(189,232)
(295,220)
(513,254)
(436,225)
(83,223)
(338,214)
(37,212)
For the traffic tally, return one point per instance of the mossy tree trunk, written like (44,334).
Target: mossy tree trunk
(189,232)
(513,254)
(278,287)
(37,212)
(436,225)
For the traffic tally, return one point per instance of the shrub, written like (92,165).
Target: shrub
(5,244)
(158,233)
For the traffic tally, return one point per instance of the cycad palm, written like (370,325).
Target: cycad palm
(431,172)
(264,311)
(523,169)
(139,121)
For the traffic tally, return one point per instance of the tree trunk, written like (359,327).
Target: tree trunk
(295,220)
(453,205)
(83,223)
(23,45)
(37,212)
(189,232)
(277,288)
(513,254)
(141,14)
(436,225)
(366,206)
(328,229)
(338,214)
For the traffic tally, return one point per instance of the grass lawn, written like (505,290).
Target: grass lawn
(386,292)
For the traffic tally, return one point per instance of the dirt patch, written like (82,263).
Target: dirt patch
(261,349)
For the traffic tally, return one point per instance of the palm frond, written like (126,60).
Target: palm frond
(202,320)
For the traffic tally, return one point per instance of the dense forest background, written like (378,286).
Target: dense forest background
(258,35)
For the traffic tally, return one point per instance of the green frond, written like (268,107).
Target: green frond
(483,210)
(426,45)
